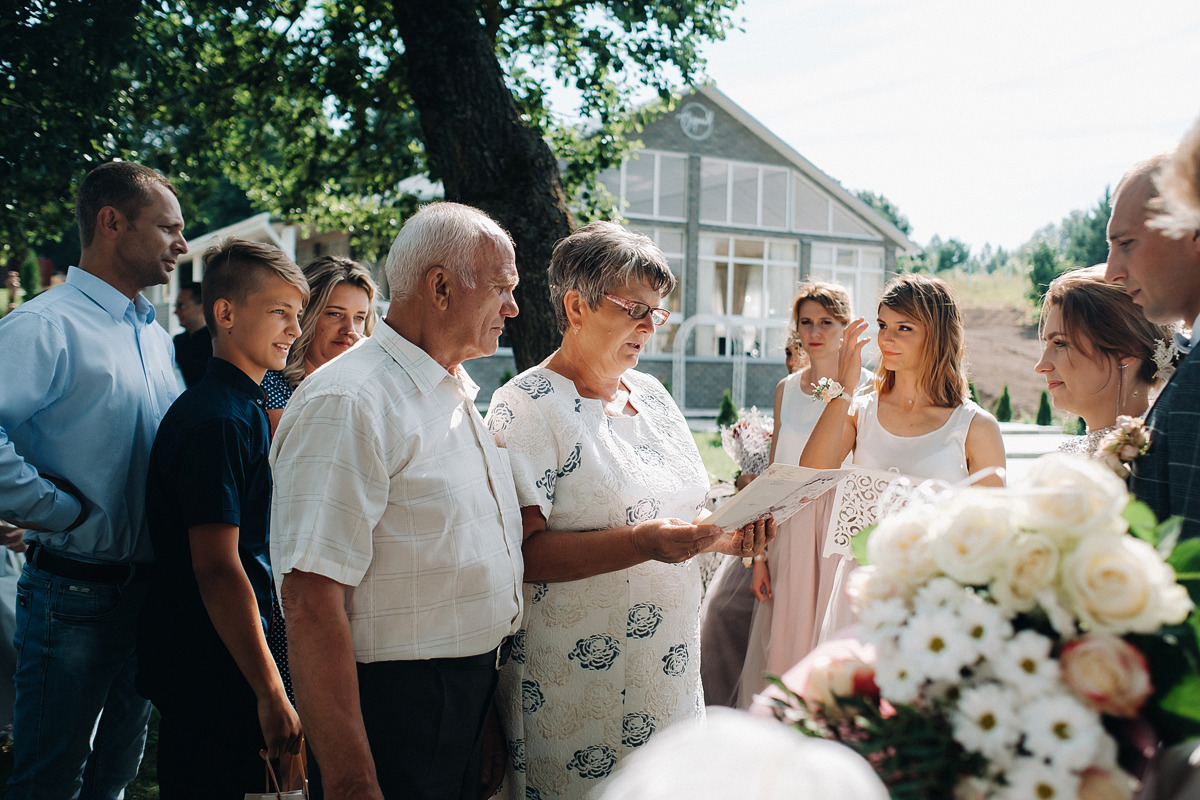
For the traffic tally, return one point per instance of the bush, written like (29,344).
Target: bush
(1075,426)
(727,415)
(974,393)
(1004,406)
(1044,415)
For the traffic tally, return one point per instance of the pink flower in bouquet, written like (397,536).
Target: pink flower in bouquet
(1107,672)
(833,677)
(1100,784)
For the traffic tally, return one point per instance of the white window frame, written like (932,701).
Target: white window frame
(658,156)
(758,210)
(766,262)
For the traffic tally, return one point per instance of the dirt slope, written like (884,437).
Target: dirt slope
(1002,347)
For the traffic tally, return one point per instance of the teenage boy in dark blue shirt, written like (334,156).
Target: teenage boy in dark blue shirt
(202,648)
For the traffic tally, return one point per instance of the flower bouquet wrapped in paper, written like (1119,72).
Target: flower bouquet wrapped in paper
(748,441)
(1013,644)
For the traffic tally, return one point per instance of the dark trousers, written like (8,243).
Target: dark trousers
(424,721)
(208,742)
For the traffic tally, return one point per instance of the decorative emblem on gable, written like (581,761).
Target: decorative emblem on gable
(696,120)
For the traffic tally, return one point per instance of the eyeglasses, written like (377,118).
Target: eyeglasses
(638,310)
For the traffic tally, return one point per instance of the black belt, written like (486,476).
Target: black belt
(69,568)
(492,658)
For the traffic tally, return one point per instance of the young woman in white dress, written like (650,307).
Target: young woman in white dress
(1098,355)
(794,582)
(919,419)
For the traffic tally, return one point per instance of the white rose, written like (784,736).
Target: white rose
(972,534)
(1029,567)
(900,547)
(1119,584)
(1075,497)
(869,585)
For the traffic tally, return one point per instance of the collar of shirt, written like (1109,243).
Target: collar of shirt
(426,373)
(1183,342)
(222,370)
(105,295)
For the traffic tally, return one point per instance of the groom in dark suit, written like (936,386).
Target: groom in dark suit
(1162,275)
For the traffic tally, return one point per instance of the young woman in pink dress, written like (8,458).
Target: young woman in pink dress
(793,584)
(918,420)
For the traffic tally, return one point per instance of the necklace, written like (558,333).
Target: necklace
(1088,443)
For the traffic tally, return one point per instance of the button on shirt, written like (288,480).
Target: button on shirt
(87,377)
(387,481)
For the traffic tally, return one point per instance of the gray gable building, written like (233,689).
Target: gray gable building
(743,218)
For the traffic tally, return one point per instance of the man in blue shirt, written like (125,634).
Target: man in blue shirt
(87,377)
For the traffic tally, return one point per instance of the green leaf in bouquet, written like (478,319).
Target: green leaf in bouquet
(1185,560)
(1142,522)
(858,543)
(1177,717)
(1168,535)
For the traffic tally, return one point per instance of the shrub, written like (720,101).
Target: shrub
(727,415)
(1044,415)
(1004,406)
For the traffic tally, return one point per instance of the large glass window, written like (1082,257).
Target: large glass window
(671,242)
(747,277)
(859,269)
(650,184)
(753,195)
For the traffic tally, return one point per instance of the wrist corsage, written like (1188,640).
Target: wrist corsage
(827,390)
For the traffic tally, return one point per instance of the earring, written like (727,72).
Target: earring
(1121,389)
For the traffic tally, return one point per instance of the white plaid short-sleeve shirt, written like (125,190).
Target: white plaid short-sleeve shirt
(387,481)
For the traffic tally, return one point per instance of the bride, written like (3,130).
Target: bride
(1099,353)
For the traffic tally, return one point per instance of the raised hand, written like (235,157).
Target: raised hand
(850,354)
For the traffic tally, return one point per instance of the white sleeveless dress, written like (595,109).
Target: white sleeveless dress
(939,455)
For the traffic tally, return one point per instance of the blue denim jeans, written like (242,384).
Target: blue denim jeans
(79,726)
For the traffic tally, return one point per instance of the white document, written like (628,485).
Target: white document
(782,490)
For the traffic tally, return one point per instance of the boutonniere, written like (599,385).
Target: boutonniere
(1125,442)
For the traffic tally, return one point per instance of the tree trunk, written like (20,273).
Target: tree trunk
(486,156)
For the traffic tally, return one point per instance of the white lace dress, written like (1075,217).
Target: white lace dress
(601,664)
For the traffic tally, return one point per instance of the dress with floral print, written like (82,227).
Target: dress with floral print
(601,664)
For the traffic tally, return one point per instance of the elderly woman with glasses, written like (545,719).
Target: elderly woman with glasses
(609,480)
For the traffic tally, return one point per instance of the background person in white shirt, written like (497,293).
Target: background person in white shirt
(395,526)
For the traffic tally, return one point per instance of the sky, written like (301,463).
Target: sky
(983,121)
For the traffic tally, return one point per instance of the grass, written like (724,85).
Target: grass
(990,290)
(717,463)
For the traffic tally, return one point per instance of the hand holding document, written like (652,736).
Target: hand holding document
(782,490)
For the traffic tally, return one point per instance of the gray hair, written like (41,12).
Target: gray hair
(450,235)
(599,256)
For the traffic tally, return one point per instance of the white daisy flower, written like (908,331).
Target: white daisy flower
(987,626)
(939,593)
(898,682)
(1061,620)
(1033,779)
(985,721)
(884,616)
(1061,728)
(937,645)
(1024,663)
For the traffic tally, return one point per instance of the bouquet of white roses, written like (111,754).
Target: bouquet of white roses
(1014,644)
(748,441)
